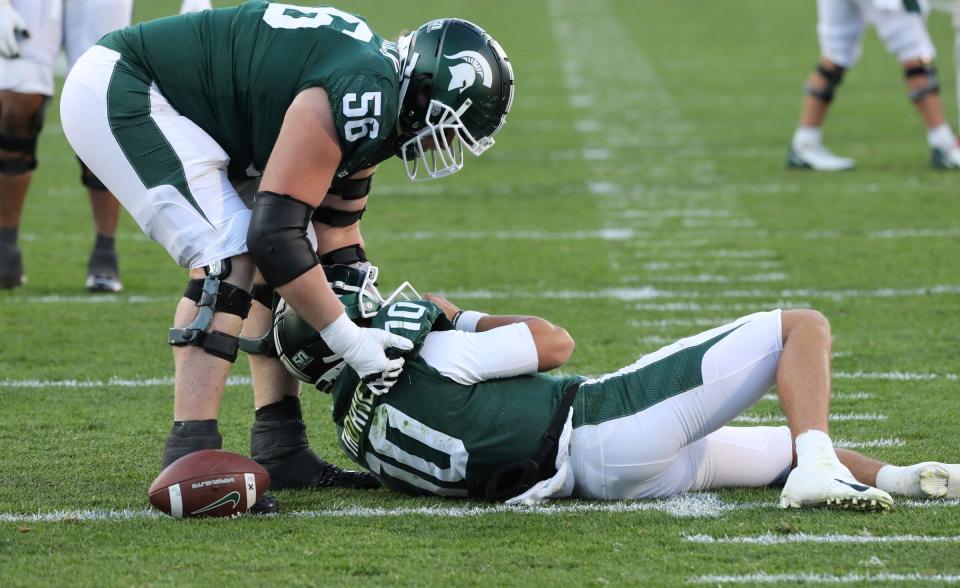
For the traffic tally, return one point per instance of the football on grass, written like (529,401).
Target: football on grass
(209,483)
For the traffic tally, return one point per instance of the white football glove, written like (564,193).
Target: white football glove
(194,6)
(381,384)
(363,350)
(11,25)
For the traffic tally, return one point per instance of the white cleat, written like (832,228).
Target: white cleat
(816,157)
(945,157)
(832,486)
(938,480)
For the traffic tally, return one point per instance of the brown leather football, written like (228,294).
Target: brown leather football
(209,483)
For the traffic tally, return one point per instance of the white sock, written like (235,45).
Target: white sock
(815,447)
(907,481)
(941,137)
(807,136)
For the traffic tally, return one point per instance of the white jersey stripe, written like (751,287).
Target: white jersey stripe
(176,501)
(251,485)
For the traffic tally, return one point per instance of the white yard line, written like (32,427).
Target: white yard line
(693,322)
(705,278)
(810,578)
(767,297)
(651,293)
(126,382)
(610,234)
(838,417)
(787,539)
(87,299)
(692,505)
(113,382)
(834,396)
(871,444)
(894,375)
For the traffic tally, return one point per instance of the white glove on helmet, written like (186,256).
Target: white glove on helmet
(363,349)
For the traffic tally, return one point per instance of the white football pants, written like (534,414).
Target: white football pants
(73,25)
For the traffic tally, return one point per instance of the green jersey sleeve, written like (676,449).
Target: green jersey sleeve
(364,100)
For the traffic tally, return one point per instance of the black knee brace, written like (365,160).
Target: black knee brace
(931,87)
(833,77)
(335,217)
(352,189)
(264,345)
(22,149)
(213,295)
(88,179)
(348,255)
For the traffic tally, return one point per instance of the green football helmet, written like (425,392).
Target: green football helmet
(301,348)
(456,88)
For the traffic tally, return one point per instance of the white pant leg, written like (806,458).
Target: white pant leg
(193,239)
(840,26)
(737,457)
(904,33)
(86,21)
(32,72)
(629,456)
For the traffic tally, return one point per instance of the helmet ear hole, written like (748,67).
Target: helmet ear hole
(424,90)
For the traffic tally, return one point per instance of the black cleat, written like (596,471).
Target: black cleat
(11,267)
(265,505)
(305,469)
(189,436)
(103,272)
(278,442)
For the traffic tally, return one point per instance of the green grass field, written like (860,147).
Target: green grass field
(637,195)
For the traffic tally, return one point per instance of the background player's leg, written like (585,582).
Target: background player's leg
(103,269)
(956,53)
(904,32)
(923,89)
(20,117)
(85,22)
(840,25)
(25,84)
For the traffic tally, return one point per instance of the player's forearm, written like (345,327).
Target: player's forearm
(311,296)
(554,344)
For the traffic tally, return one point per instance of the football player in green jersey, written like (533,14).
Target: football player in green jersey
(298,105)
(471,414)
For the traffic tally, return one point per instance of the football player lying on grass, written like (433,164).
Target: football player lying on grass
(472,414)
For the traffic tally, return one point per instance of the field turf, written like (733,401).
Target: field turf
(638,194)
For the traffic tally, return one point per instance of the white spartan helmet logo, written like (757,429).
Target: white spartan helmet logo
(464,74)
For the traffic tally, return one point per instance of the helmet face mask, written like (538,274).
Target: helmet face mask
(456,91)
(355,285)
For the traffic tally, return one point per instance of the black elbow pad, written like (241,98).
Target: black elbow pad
(277,237)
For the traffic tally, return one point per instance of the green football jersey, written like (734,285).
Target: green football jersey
(235,71)
(432,435)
